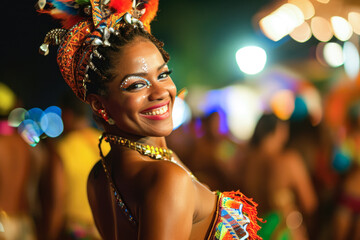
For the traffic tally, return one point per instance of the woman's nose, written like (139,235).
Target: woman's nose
(158,91)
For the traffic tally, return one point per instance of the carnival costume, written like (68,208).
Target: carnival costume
(89,24)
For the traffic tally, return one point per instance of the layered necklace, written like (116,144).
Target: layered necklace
(146,150)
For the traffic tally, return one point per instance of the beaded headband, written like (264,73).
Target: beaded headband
(88,24)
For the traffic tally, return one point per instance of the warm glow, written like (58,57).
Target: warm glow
(305,6)
(313,103)
(354,20)
(321,29)
(7,99)
(333,54)
(302,33)
(282,21)
(323,1)
(251,59)
(342,28)
(283,104)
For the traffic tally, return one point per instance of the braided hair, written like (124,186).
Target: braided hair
(104,58)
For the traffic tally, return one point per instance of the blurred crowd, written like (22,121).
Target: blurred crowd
(304,176)
(43,188)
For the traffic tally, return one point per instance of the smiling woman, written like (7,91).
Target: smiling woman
(140,97)
(140,189)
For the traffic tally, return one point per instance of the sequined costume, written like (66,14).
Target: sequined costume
(235,218)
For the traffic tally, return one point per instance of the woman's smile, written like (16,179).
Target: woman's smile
(157,112)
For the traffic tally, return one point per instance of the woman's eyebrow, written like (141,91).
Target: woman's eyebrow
(140,74)
(163,65)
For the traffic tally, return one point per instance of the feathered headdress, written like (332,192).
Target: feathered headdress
(86,25)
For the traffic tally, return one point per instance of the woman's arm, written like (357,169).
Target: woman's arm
(168,203)
(302,183)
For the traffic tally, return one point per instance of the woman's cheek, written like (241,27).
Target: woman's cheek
(172,90)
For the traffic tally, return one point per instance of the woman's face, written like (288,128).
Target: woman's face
(141,96)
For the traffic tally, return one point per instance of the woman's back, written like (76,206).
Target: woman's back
(151,187)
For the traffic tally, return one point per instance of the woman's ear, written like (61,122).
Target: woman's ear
(96,103)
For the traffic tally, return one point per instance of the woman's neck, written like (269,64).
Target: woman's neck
(146,140)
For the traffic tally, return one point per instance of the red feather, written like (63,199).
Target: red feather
(121,6)
(151,8)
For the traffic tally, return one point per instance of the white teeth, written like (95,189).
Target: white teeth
(158,111)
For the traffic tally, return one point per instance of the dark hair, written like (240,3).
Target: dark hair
(104,74)
(265,126)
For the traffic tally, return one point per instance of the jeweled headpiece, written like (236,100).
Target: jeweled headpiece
(88,24)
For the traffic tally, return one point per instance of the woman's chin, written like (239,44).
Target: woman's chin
(162,133)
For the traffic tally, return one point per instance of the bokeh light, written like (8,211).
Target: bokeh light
(333,54)
(251,59)
(283,103)
(302,33)
(181,113)
(242,107)
(282,21)
(354,20)
(16,116)
(34,114)
(51,124)
(321,29)
(313,101)
(34,123)
(53,109)
(351,60)
(30,132)
(342,28)
(7,99)
(305,6)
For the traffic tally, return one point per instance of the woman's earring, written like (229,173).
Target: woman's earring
(106,117)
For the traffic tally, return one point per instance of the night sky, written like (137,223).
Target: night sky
(201,37)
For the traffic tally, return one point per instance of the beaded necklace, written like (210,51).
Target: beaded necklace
(147,150)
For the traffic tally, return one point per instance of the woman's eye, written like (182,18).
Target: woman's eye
(164,75)
(136,86)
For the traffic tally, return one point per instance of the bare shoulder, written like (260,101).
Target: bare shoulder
(167,189)
(162,175)
(96,177)
(165,183)
(95,183)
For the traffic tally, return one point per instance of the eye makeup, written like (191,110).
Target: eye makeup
(136,79)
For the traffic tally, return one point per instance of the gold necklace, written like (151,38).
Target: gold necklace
(147,150)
